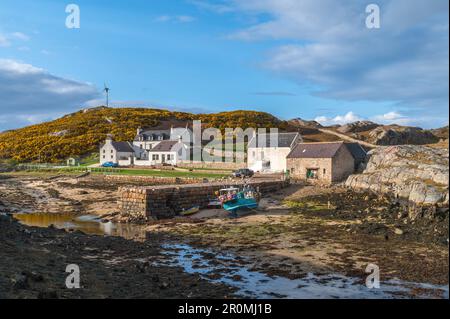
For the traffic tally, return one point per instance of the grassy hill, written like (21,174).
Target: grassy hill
(80,133)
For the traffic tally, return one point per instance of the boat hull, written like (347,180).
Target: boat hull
(241,203)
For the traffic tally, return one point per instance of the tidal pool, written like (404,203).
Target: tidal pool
(227,269)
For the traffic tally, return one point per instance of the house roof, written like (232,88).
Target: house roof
(326,150)
(315,150)
(123,147)
(284,140)
(357,151)
(164,146)
(153,135)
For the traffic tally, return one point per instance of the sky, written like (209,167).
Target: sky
(313,59)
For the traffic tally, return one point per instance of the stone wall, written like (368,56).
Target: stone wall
(153,180)
(212,165)
(162,202)
(299,166)
(343,165)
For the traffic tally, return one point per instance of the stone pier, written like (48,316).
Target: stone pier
(166,201)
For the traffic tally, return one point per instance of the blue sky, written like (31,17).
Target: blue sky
(313,59)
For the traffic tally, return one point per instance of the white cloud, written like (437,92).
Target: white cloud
(219,6)
(20,36)
(29,93)
(4,42)
(328,47)
(339,119)
(388,118)
(7,39)
(178,19)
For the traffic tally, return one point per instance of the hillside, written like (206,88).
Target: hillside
(378,134)
(81,133)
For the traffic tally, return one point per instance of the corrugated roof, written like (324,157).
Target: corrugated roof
(284,140)
(315,150)
(164,146)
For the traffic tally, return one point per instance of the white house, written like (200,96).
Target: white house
(121,153)
(149,148)
(268,152)
(147,139)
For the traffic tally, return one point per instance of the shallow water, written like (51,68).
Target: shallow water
(89,224)
(228,269)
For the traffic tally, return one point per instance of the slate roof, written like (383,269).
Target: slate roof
(315,150)
(357,151)
(326,150)
(122,147)
(152,136)
(164,146)
(284,140)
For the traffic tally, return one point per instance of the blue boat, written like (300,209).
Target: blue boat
(233,199)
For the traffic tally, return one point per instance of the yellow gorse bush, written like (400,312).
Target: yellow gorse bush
(81,133)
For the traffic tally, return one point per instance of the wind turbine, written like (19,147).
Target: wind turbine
(106,90)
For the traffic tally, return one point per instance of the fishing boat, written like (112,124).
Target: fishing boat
(190,211)
(234,199)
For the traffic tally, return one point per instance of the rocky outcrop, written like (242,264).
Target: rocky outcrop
(356,127)
(298,122)
(415,173)
(441,133)
(398,135)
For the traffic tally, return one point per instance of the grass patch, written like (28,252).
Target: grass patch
(163,173)
(308,205)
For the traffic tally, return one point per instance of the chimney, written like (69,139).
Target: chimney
(109,139)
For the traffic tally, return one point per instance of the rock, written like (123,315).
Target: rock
(20,282)
(398,135)
(48,295)
(398,231)
(360,126)
(298,122)
(418,174)
(34,276)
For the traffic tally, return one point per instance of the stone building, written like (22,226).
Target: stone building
(324,162)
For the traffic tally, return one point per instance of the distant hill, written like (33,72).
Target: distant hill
(80,133)
(378,134)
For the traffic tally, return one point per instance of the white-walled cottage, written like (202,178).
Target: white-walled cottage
(268,152)
(121,153)
(149,148)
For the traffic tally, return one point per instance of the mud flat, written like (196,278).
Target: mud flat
(308,231)
(304,242)
(33,263)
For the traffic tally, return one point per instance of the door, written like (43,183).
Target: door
(163,158)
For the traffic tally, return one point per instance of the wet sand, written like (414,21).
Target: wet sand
(300,233)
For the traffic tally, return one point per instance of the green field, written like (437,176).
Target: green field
(120,171)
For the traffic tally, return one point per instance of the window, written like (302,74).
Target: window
(169,157)
(112,151)
(104,156)
(104,151)
(112,157)
(155,157)
(312,173)
(324,171)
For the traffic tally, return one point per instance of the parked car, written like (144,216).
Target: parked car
(110,164)
(244,172)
